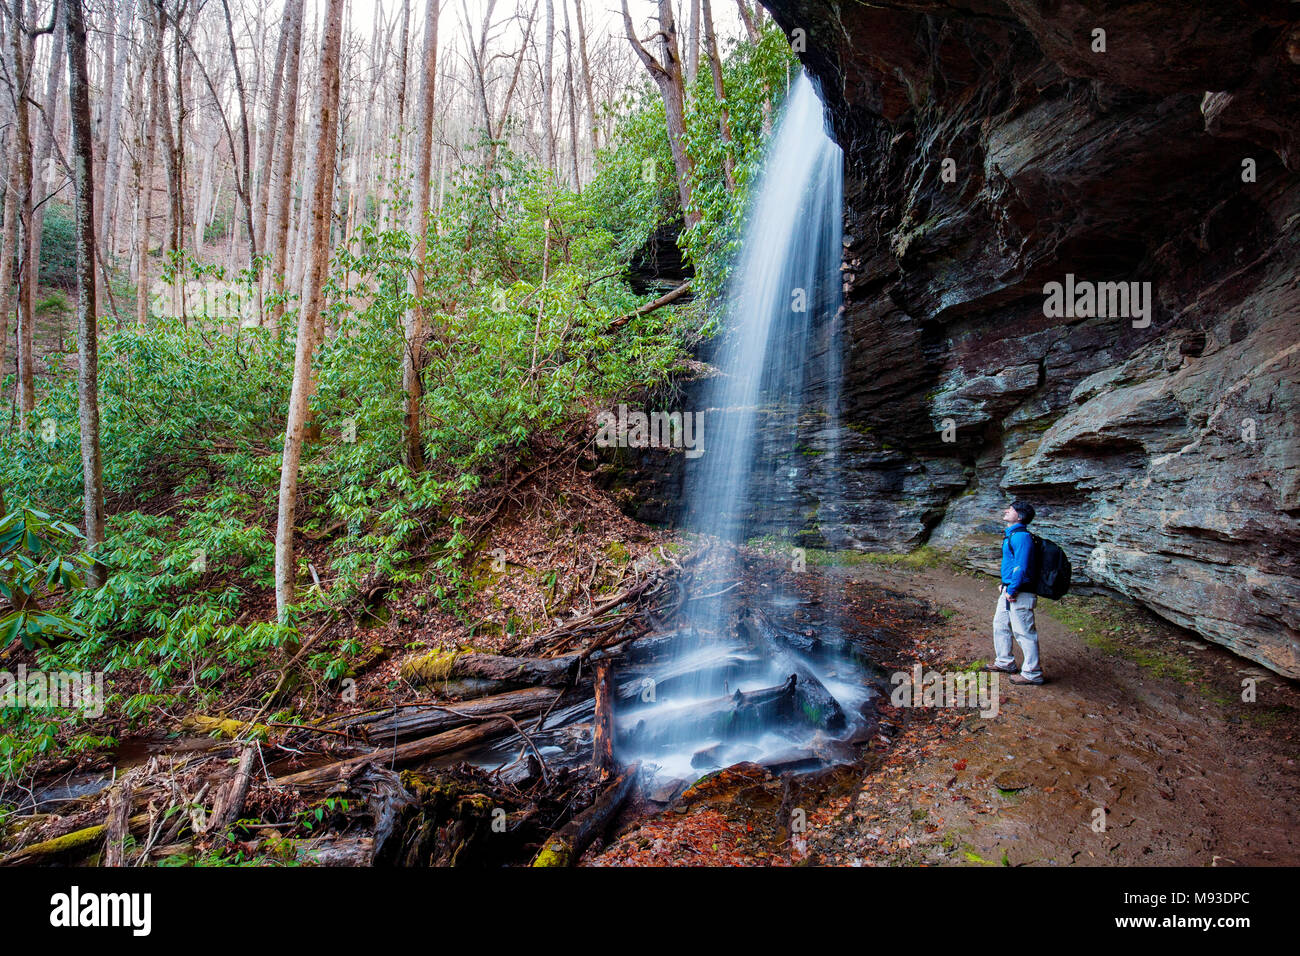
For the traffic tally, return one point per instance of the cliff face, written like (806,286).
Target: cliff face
(1165,457)
(1159,445)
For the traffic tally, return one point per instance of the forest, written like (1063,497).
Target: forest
(300,293)
(503,432)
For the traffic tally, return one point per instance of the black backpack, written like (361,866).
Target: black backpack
(1049,569)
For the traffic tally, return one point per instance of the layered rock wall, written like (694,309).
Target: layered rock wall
(1161,450)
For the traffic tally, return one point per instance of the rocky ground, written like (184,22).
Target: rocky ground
(1138,751)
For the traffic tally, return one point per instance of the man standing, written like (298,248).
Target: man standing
(1016,600)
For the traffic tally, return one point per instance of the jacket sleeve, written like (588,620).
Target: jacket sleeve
(1021,544)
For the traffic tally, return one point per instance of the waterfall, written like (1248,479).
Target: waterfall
(784,288)
(687,710)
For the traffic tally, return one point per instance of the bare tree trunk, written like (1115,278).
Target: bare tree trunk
(204,199)
(173,139)
(586,75)
(145,183)
(402,67)
(693,45)
(415,321)
(244,161)
(548,57)
(42,166)
(284,161)
(495,127)
(21,180)
(573,100)
(668,77)
(83,166)
(113,149)
(310,315)
(8,249)
(266,147)
(747,17)
(720,94)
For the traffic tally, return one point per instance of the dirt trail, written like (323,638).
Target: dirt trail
(1138,718)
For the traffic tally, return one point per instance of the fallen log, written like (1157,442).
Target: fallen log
(222,726)
(118,824)
(351,851)
(815,702)
(405,754)
(229,801)
(666,299)
(471,688)
(70,846)
(724,718)
(566,846)
(444,665)
(425,720)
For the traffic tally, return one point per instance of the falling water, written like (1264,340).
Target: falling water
(778,379)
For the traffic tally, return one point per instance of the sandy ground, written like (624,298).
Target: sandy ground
(1138,751)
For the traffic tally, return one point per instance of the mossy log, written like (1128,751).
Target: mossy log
(70,846)
(566,845)
(446,665)
(222,726)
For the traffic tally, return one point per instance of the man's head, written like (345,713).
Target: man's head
(1018,511)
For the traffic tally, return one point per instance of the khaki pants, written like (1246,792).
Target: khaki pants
(1017,621)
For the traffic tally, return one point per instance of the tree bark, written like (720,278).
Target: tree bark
(586,75)
(548,50)
(113,149)
(8,248)
(445,665)
(565,847)
(415,316)
(414,751)
(145,185)
(602,728)
(42,166)
(747,18)
(283,174)
(83,166)
(398,170)
(573,99)
(244,161)
(720,94)
(693,45)
(668,77)
(310,315)
(20,175)
(266,148)
(173,143)
(425,721)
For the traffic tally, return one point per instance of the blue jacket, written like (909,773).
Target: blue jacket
(1016,547)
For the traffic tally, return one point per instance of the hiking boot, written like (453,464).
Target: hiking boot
(994,669)
(1018,679)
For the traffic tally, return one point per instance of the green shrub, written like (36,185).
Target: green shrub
(58,263)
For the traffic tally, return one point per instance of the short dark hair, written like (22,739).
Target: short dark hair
(1024,509)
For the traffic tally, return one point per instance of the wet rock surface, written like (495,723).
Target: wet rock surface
(1160,449)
